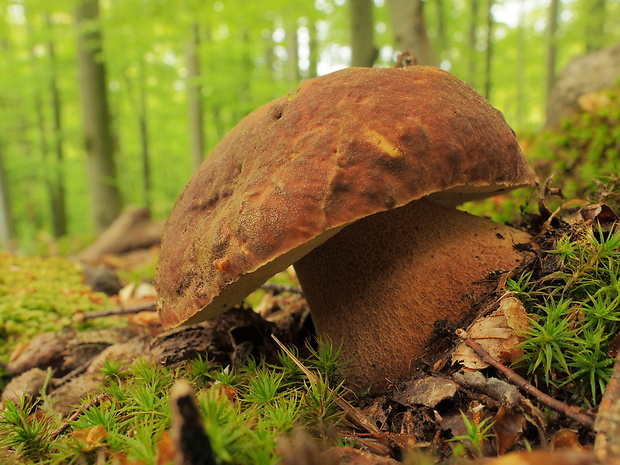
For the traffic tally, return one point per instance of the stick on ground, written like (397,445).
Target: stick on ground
(570,411)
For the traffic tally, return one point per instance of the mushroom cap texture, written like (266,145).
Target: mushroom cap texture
(339,148)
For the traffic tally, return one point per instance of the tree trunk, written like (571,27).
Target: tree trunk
(521,49)
(292,49)
(595,26)
(143,125)
(98,139)
(363,51)
(488,58)
(6,219)
(552,29)
(194,98)
(313,66)
(58,200)
(472,40)
(442,37)
(410,30)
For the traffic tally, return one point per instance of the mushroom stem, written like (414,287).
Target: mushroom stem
(380,284)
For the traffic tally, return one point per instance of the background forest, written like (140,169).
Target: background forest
(153,85)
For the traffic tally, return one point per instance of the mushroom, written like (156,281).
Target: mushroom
(353,178)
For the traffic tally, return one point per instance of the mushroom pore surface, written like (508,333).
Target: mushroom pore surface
(379,286)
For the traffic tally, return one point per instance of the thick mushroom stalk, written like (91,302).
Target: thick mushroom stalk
(379,285)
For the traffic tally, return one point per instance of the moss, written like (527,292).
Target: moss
(39,295)
(583,149)
(581,155)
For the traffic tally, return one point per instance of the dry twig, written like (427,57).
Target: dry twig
(278,288)
(147,307)
(79,412)
(570,411)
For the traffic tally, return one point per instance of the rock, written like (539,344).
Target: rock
(588,73)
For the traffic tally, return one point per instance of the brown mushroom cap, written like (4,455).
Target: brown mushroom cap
(295,171)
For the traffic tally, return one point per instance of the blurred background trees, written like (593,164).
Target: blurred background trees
(106,103)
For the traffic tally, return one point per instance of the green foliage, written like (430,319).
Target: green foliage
(475,437)
(245,60)
(25,432)
(244,411)
(575,316)
(585,149)
(39,295)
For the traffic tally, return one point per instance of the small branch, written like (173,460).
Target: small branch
(147,307)
(278,288)
(521,383)
(79,412)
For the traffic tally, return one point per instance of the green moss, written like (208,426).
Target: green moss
(581,155)
(39,295)
(583,149)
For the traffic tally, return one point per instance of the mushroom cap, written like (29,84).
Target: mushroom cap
(339,148)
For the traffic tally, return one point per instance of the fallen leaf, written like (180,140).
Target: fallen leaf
(565,439)
(499,333)
(93,437)
(166,450)
(426,391)
(508,428)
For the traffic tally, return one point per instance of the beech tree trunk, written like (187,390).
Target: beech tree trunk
(292,49)
(595,26)
(410,30)
(106,200)
(56,175)
(143,124)
(194,98)
(363,50)
(552,29)
(472,40)
(488,58)
(313,66)
(6,220)
(442,37)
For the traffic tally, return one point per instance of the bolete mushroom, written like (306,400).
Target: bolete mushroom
(353,178)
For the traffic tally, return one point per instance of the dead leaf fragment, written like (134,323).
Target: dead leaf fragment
(93,437)
(426,391)
(508,427)
(499,333)
(566,439)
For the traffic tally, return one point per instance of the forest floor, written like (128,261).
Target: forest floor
(96,389)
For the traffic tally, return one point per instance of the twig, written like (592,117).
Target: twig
(147,307)
(353,414)
(278,288)
(79,412)
(521,383)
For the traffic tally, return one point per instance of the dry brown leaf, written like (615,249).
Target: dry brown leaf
(93,437)
(498,334)
(426,391)
(566,439)
(508,428)
(166,450)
